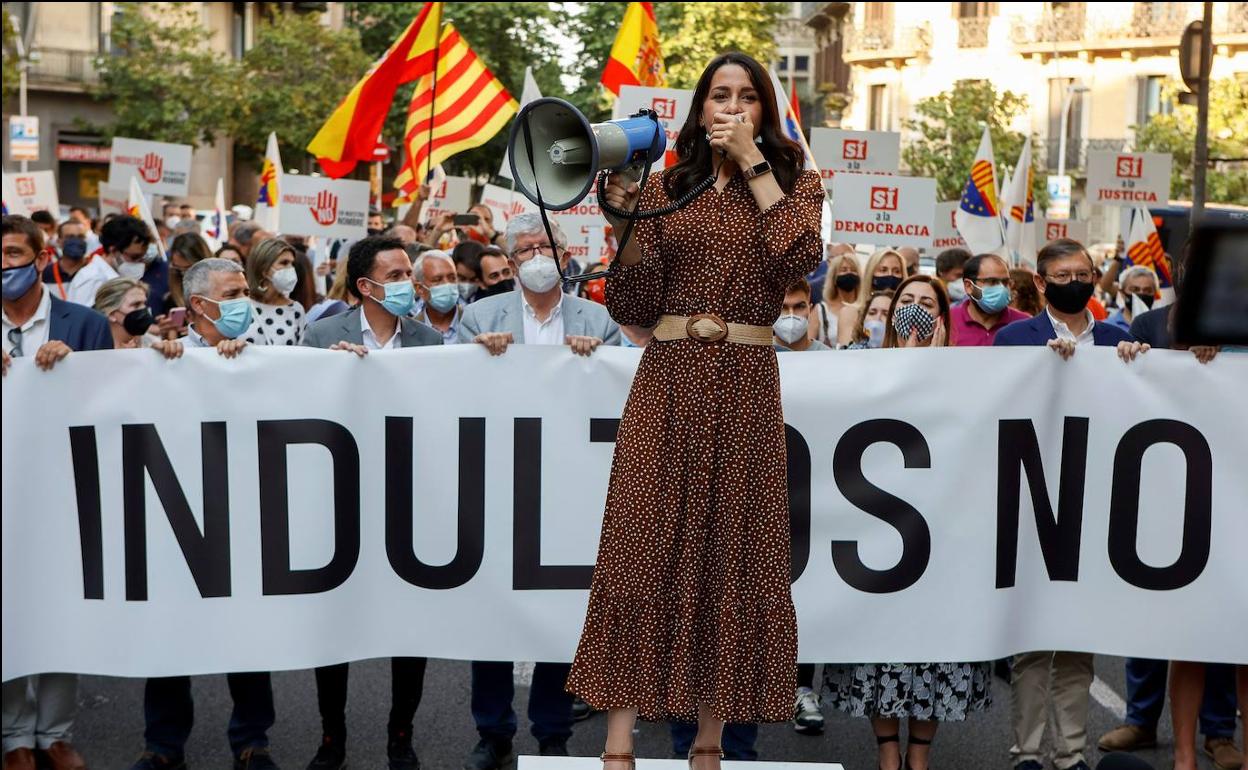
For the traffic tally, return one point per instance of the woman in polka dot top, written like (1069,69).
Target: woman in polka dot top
(276,319)
(690,615)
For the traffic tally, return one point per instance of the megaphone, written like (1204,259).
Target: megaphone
(556,153)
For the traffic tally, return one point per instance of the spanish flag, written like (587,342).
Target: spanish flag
(635,57)
(350,134)
(471,106)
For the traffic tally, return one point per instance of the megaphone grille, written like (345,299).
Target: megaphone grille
(562,185)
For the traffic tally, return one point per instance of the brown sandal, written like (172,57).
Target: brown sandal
(629,758)
(704,751)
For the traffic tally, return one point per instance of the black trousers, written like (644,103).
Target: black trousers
(407,684)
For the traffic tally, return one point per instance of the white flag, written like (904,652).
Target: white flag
(270,177)
(138,206)
(1019,209)
(217,229)
(530,94)
(978,215)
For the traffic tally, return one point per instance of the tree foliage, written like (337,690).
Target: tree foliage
(1228,138)
(291,80)
(164,81)
(11,75)
(691,34)
(949,126)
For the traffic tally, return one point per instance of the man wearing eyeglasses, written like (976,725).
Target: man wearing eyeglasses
(1064,276)
(986,310)
(36,324)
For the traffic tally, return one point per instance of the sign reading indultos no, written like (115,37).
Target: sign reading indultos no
(883,210)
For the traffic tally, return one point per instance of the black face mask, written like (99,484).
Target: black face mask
(1147,299)
(848,281)
(885,282)
(1069,297)
(137,322)
(375,231)
(502,287)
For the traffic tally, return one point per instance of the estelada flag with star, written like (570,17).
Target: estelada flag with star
(1145,250)
(635,58)
(978,218)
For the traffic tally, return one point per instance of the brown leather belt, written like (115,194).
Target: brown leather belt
(708,328)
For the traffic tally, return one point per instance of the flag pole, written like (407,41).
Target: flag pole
(433,99)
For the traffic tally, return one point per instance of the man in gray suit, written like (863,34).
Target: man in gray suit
(537,313)
(379,273)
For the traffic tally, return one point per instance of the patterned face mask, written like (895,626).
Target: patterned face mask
(915,318)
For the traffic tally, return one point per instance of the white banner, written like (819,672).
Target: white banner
(319,206)
(671,104)
(859,152)
(945,233)
(1074,229)
(30,192)
(1128,178)
(505,204)
(164,169)
(883,210)
(1039,519)
(452,196)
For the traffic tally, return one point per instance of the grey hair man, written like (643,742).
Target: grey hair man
(403,233)
(218,305)
(438,286)
(537,312)
(246,234)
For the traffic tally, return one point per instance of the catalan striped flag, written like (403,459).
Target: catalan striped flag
(467,109)
(350,134)
(270,176)
(1145,249)
(635,57)
(977,216)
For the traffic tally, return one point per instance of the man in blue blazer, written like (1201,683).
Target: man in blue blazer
(1064,276)
(37,324)
(538,312)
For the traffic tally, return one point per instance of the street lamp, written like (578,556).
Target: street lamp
(1071,90)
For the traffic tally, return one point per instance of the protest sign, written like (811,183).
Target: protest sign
(1074,229)
(34,191)
(1128,178)
(504,204)
(883,210)
(945,233)
(672,105)
(453,195)
(322,207)
(859,152)
(164,168)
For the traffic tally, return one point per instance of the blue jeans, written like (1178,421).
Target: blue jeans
(169,713)
(550,708)
(738,741)
(1146,696)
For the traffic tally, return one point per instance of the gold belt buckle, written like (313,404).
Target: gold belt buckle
(706,327)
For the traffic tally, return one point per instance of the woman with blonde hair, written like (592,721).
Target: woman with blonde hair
(841,290)
(276,319)
(885,270)
(123,301)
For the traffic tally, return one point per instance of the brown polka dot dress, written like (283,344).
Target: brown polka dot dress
(690,599)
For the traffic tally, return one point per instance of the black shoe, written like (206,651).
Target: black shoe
(580,710)
(553,747)
(330,755)
(255,758)
(152,761)
(400,754)
(1030,764)
(490,754)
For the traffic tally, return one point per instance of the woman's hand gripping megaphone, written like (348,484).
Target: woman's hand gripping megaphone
(622,192)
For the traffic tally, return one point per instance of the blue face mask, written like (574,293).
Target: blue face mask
(400,297)
(992,299)
(444,297)
(235,316)
(18,280)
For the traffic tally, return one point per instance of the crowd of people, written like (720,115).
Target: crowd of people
(82,285)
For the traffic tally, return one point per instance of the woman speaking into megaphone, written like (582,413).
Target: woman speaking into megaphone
(690,615)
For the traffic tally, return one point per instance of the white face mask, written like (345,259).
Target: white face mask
(539,274)
(791,328)
(132,270)
(284,280)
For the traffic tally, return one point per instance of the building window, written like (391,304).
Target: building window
(801,63)
(875,12)
(1151,101)
(877,109)
(238,30)
(976,10)
(1074,126)
(783,64)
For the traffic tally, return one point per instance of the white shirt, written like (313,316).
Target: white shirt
(34,331)
(1063,331)
(370,339)
(86,282)
(548,332)
(193,338)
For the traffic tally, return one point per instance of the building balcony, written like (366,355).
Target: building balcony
(1049,150)
(1236,18)
(1151,26)
(62,69)
(880,42)
(973,31)
(1052,30)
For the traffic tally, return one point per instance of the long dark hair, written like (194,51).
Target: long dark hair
(694,152)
